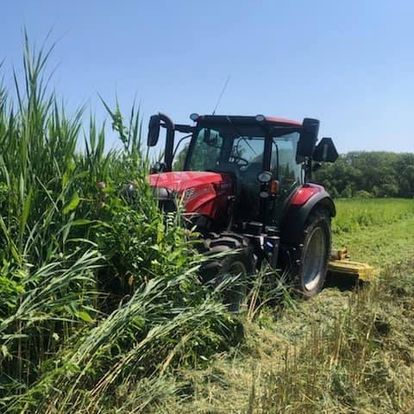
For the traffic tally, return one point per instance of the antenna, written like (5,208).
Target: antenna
(221,94)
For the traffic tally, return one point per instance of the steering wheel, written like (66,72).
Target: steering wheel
(240,161)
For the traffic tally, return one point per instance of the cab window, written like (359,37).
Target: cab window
(206,150)
(283,164)
(248,151)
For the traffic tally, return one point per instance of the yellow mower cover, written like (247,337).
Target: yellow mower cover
(339,263)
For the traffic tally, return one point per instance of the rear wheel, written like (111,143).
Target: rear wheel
(315,248)
(231,269)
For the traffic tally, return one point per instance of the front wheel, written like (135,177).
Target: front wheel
(231,265)
(315,249)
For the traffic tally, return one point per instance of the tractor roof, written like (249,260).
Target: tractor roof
(242,119)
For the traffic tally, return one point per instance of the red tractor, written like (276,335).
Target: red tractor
(245,183)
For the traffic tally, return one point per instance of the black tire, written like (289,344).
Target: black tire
(314,248)
(235,260)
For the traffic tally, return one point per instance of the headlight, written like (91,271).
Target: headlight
(264,177)
(162,193)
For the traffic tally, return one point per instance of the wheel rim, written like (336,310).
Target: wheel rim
(313,262)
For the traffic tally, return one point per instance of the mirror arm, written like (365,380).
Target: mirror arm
(169,142)
(186,129)
(308,169)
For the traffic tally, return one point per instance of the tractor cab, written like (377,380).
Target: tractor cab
(252,153)
(244,182)
(260,160)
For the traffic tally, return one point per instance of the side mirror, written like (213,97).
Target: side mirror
(325,151)
(153,130)
(307,139)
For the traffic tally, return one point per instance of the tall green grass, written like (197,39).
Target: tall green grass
(98,292)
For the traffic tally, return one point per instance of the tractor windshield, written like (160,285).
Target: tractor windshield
(225,150)
(206,150)
(241,150)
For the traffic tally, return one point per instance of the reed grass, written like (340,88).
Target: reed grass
(98,292)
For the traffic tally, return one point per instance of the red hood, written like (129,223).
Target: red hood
(182,180)
(204,193)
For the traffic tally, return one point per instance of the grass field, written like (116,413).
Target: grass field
(101,309)
(345,351)
(357,214)
(379,231)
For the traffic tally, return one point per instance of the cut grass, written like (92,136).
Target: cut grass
(343,351)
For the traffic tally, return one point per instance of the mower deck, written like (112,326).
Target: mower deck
(340,264)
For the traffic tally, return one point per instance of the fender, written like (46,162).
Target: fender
(298,208)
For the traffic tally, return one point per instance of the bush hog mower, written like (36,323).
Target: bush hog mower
(245,183)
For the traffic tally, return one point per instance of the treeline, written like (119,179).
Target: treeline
(369,174)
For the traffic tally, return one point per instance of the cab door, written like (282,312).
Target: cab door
(247,154)
(286,170)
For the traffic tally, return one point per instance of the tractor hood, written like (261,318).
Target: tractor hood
(204,193)
(183,180)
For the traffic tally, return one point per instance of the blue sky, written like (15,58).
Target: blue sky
(348,63)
